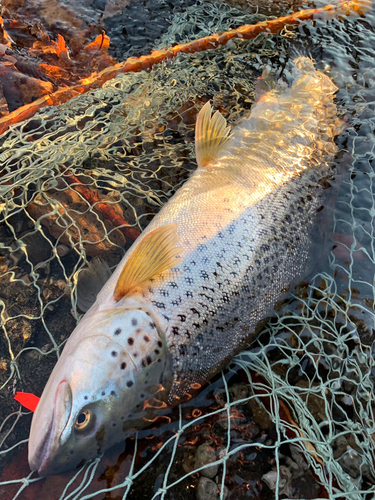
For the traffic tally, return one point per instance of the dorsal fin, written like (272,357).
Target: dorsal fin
(156,253)
(211,135)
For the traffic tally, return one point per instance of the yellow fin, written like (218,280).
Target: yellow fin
(156,253)
(211,135)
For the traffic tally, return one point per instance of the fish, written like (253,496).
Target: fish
(189,293)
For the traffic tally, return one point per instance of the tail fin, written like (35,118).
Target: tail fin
(290,129)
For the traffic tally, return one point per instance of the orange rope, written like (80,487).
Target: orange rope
(133,64)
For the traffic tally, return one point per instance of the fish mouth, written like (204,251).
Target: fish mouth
(42,456)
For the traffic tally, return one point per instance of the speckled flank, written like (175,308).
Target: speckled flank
(246,224)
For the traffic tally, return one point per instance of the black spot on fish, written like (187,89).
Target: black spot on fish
(113,424)
(156,351)
(159,360)
(117,331)
(86,397)
(123,366)
(160,344)
(142,396)
(130,341)
(135,354)
(114,353)
(113,393)
(134,322)
(149,360)
(103,393)
(189,280)
(159,305)
(152,325)
(143,363)
(182,349)
(173,284)
(71,452)
(182,318)
(129,383)
(189,294)
(146,338)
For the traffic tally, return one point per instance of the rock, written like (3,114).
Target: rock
(239,392)
(339,445)
(62,249)
(351,462)
(260,414)
(284,482)
(3,265)
(38,247)
(209,490)
(204,455)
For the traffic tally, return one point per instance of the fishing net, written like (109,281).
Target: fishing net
(292,416)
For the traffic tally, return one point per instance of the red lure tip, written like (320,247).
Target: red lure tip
(29,401)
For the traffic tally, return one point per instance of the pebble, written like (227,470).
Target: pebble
(209,490)
(3,265)
(38,248)
(204,455)
(284,482)
(62,249)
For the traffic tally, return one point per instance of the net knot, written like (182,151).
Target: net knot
(162,492)
(25,481)
(128,481)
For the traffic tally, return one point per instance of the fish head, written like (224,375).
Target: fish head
(112,378)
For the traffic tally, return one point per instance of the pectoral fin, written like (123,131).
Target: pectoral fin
(211,135)
(156,253)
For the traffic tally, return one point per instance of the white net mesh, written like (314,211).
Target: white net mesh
(292,416)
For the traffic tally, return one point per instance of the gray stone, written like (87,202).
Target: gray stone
(209,490)
(204,455)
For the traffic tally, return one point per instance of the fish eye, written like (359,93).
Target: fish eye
(83,420)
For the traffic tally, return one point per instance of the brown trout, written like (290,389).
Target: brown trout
(189,293)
